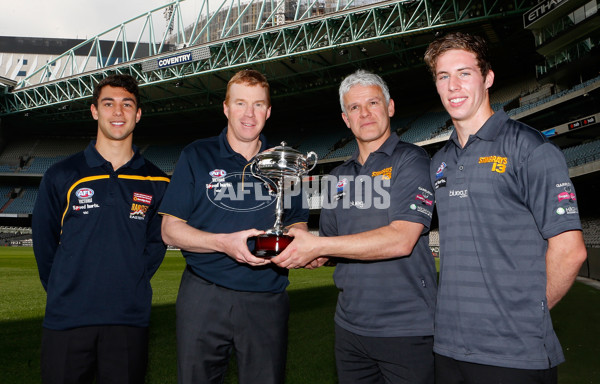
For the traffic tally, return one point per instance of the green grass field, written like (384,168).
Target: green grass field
(312,299)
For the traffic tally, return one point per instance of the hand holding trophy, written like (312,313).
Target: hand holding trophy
(275,166)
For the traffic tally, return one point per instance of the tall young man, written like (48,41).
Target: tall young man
(510,236)
(228,299)
(96,239)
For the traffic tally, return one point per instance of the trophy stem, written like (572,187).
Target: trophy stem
(278,226)
(274,241)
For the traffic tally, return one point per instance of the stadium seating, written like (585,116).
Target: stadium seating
(424,126)
(552,97)
(163,156)
(591,231)
(434,238)
(39,165)
(582,153)
(24,203)
(345,151)
(322,144)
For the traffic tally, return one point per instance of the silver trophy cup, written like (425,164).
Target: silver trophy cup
(277,167)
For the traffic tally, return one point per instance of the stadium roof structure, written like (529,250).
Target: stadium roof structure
(305,47)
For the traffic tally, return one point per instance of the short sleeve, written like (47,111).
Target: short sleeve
(550,193)
(327,223)
(411,196)
(179,197)
(298,211)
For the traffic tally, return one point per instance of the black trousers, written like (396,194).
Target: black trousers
(110,354)
(383,360)
(212,322)
(451,371)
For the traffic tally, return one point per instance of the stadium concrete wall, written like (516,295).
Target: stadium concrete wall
(591,267)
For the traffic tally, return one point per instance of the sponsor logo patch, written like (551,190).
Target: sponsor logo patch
(499,163)
(420,209)
(422,199)
(140,205)
(340,188)
(142,198)
(568,211)
(386,173)
(426,193)
(459,193)
(440,183)
(440,171)
(84,195)
(85,207)
(341,184)
(138,211)
(218,173)
(567,196)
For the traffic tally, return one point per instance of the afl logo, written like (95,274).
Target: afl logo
(341,184)
(239,193)
(218,173)
(84,193)
(440,171)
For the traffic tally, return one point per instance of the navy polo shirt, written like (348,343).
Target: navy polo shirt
(498,200)
(213,190)
(96,240)
(387,298)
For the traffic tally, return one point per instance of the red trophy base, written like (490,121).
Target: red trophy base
(271,245)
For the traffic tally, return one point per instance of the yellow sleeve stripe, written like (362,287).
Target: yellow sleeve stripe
(166,214)
(149,178)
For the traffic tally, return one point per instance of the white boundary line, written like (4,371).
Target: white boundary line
(590,282)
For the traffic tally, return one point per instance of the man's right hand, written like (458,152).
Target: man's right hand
(236,246)
(178,233)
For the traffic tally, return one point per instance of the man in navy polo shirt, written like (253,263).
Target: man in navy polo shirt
(97,243)
(510,237)
(374,221)
(228,298)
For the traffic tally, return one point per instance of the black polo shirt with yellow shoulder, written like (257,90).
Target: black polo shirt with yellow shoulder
(96,239)
(498,200)
(213,190)
(385,298)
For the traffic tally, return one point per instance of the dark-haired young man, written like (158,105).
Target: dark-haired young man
(97,243)
(510,236)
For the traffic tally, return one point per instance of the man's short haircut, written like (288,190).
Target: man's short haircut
(366,79)
(251,78)
(459,40)
(118,81)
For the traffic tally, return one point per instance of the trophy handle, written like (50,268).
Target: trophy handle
(252,169)
(311,155)
(255,173)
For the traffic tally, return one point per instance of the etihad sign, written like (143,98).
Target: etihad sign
(539,11)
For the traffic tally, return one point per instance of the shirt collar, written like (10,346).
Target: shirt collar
(227,151)
(489,131)
(387,147)
(95,159)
